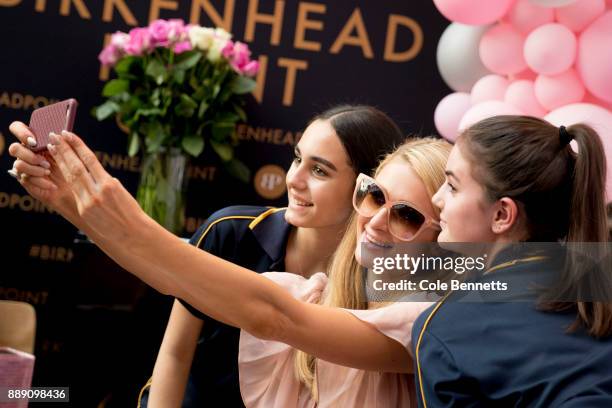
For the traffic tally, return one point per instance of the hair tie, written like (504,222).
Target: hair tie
(564,136)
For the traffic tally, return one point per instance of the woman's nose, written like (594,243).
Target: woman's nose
(295,177)
(379,220)
(437,198)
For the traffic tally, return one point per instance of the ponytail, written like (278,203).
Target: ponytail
(587,223)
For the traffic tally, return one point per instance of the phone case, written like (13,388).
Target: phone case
(53,118)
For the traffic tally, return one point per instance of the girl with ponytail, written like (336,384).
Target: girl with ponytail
(510,180)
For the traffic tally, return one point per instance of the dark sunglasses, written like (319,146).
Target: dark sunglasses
(404,220)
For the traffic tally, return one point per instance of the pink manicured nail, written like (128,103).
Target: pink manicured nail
(51,148)
(31,141)
(45,164)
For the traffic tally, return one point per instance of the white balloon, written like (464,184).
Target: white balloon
(552,3)
(458,56)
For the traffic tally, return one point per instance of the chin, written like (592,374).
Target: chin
(296,220)
(443,236)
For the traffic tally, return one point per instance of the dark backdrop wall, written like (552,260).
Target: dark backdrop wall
(98,328)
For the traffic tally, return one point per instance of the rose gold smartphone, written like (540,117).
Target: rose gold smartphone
(52,118)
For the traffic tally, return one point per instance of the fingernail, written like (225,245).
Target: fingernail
(51,148)
(45,164)
(53,138)
(47,172)
(31,141)
(13,173)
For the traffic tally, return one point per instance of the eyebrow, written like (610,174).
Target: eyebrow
(450,174)
(318,159)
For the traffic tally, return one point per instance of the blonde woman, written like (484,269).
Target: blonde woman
(282,309)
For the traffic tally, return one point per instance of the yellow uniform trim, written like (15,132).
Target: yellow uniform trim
(212,224)
(263,216)
(142,390)
(435,309)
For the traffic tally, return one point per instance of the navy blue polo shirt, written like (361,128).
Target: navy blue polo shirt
(509,354)
(252,237)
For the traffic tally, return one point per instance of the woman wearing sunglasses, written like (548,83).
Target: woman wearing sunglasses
(197,361)
(548,343)
(281,309)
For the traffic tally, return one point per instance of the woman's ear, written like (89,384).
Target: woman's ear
(505,216)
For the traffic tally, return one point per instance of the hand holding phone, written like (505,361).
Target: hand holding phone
(52,118)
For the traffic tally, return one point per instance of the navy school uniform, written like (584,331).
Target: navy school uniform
(509,354)
(252,237)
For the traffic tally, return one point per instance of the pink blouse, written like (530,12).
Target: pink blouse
(266,368)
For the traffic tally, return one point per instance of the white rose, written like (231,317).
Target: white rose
(221,33)
(201,37)
(214,53)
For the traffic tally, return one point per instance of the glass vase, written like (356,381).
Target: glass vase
(161,192)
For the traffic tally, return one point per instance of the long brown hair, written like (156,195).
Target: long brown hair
(561,192)
(427,156)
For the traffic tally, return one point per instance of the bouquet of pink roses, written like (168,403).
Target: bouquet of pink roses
(177,86)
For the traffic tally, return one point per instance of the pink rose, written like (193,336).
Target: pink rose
(182,46)
(109,55)
(140,41)
(119,40)
(228,50)
(251,68)
(240,55)
(176,29)
(159,30)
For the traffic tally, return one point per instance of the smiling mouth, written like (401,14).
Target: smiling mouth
(380,244)
(301,203)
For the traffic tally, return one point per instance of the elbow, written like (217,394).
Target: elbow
(269,324)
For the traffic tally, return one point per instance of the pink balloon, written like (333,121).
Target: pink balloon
(473,12)
(577,16)
(526,74)
(595,57)
(485,110)
(521,95)
(501,50)
(489,87)
(525,16)
(558,90)
(550,49)
(449,112)
(593,100)
(595,116)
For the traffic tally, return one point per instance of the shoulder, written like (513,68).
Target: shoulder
(229,220)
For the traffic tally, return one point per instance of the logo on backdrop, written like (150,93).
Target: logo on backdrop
(270,181)
(1,143)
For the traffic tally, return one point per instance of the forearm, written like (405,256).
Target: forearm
(169,381)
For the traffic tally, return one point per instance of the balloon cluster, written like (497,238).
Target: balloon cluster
(546,58)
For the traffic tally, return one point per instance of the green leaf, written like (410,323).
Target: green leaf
(238,169)
(147,112)
(155,137)
(179,76)
(193,144)
(242,85)
(186,107)
(115,86)
(187,60)
(157,71)
(134,144)
(224,150)
(222,130)
(125,64)
(240,112)
(106,109)
(227,117)
(202,110)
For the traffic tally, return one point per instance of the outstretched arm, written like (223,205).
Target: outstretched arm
(218,288)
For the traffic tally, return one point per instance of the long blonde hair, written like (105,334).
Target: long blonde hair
(427,156)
